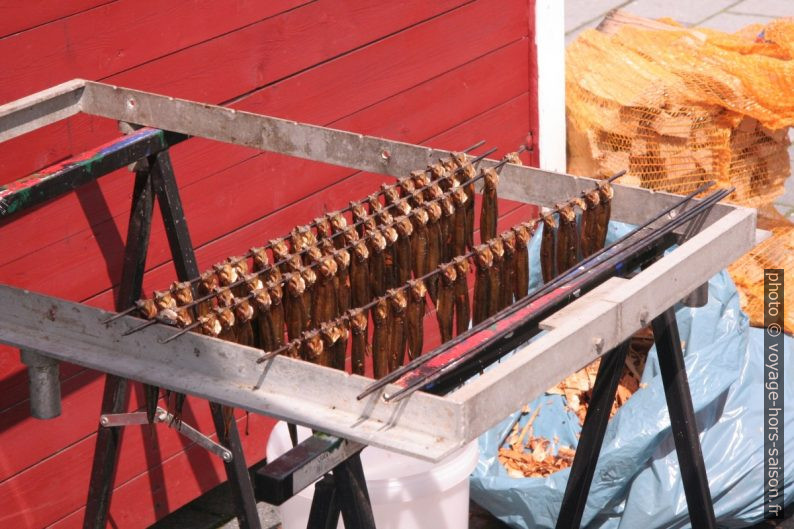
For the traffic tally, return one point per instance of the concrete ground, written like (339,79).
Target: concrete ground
(723,15)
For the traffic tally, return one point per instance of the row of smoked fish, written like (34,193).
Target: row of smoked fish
(327,283)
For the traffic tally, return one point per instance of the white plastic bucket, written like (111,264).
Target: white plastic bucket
(405,492)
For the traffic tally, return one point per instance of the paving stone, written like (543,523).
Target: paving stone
(772,8)
(732,22)
(569,37)
(580,12)
(685,11)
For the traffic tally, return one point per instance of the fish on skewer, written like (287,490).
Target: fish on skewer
(415,318)
(589,222)
(310,280)
(390,275)
(293,349)
(342,280)
(227,274)
(547,267)
(339,349)
(298,242)
(294,310)
(402,208)
(262,304)
(462,305)
(360,215)
(446,301)
(225,316)
(465,174)
(447,228)
(324,303)
(375,207)
(359,275)
(433,247)
(280,251)
(338,226)
(402,254)
(398,303)
(407,188)
(243,311)
(495,275)
(376,246)
(381,337)
(566,239)
(605,194)
(359,348)
(390,194)
(489,214)
(330,335)
(276,316)
(459,222)
(437,172)
(523,235)
(208,283)
(421,181)
(420,241)
(483,262)
(508,281)
(313,347)
(323,228)
(243,315)
(513,158)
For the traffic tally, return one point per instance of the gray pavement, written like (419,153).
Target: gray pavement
(724,15)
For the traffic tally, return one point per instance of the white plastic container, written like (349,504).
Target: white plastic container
(405,492)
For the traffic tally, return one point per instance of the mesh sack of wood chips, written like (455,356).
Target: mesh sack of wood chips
(748,274)
(680,106)
(677,107)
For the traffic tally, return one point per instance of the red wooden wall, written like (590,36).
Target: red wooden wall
(445,73)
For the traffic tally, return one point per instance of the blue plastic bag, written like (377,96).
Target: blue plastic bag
(637,481)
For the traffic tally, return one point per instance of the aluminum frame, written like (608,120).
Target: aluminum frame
(426,426)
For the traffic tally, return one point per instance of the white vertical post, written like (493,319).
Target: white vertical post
(550,42)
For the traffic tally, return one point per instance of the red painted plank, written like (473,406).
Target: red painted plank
(251,57)
(295,99)
(16,16)
(46,492)
(118,36)
(426,110)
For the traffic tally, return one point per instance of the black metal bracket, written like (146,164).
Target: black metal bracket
(682,420)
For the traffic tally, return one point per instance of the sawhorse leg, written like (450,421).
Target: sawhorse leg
(682,420)
(341,487)
(157,179)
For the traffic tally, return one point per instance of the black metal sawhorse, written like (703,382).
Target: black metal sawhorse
(682,422)
(341,489)
(154,177)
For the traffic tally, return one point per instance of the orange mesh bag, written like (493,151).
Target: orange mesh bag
(678,106)
(748,273)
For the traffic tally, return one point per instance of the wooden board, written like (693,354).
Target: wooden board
(424,72)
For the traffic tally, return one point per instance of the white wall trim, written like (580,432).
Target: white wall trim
(550,42)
